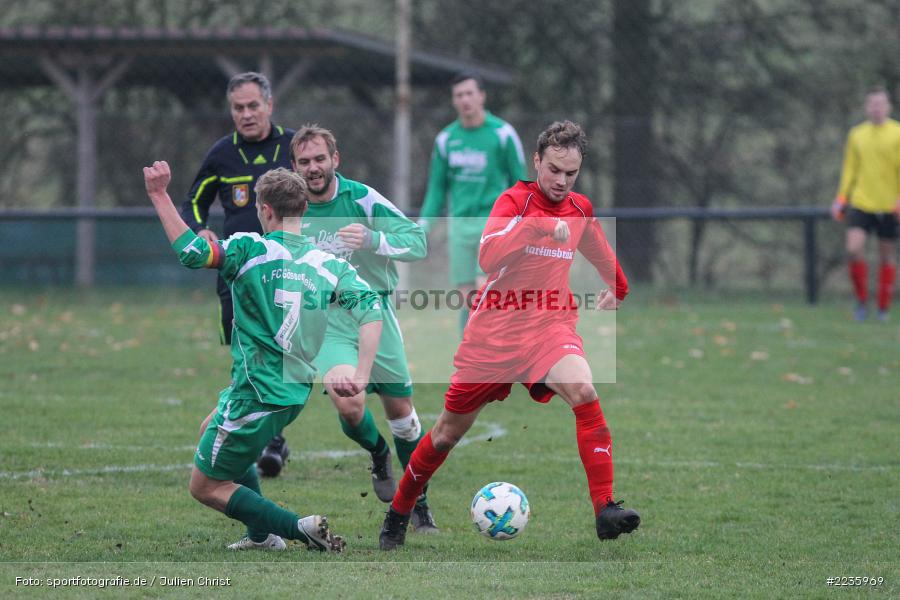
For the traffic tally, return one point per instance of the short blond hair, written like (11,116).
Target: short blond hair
(285,191)
(309,131)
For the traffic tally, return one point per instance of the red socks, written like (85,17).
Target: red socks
(886,277)
(595,448)
(859,275)
(424,461)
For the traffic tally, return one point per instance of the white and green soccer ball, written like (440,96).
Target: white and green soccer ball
(500,511)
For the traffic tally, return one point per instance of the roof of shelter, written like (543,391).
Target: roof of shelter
(159,53)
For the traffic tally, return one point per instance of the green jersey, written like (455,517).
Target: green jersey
(472,167)
(282,287)
(394,237)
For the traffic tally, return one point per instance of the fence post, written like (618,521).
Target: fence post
(809,256)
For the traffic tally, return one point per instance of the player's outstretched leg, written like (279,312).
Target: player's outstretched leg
(424,462)
(260,514)
(271,460)
(595,449)
(428,456)
(571,378)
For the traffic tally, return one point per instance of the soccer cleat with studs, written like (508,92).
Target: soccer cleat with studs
(272,458)
(393,530)
(383,476)
(319,536)
(613,520)
(271,543)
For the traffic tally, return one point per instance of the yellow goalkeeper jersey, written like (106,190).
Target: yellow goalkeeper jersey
(870,179)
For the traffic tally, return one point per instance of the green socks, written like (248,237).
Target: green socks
(260,514)
(365,433)
(250,480)
(405,448)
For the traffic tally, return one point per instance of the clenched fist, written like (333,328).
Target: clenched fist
(157,178)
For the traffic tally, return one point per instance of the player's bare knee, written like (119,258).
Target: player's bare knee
(352,410)
(397,408)
(445,438)
(199,491)
(582,393)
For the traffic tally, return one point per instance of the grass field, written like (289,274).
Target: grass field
(758,438)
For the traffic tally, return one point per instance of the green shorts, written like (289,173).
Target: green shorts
(390,372)
(237,433)
(463,243)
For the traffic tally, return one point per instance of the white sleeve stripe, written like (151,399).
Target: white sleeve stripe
(441,142)
(504,231)
(385,249)
(372,198)
(508,132)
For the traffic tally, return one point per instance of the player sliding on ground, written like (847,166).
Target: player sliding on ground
(522,328)
(282,287)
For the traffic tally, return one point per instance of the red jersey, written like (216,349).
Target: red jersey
(527,290)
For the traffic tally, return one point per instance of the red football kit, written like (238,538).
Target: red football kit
(522,323)
(523,320)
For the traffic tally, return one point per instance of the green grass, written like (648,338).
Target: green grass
(757,437)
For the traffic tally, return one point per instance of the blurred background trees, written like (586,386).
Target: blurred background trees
(713,103)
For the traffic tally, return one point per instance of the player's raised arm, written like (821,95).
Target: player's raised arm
(194,252)
(156,180)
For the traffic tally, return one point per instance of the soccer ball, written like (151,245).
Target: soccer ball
(500,511)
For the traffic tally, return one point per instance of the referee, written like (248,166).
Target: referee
(229,172)
(868,200)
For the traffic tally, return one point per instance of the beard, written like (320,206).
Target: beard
(321,185)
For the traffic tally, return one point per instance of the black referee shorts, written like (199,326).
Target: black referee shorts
(883,224)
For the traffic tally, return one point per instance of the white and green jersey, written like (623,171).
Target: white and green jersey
(283,288)
(471,168)
(394,237)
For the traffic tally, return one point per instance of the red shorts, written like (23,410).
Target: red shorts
(486,374)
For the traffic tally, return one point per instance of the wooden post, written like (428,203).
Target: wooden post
(84,90)
(400,186)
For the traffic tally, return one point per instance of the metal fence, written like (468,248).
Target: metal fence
(777,248)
